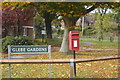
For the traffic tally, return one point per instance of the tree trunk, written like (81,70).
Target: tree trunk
(101,29)
(19,28)
(48,28)
(102,12)
(69,21)
(64,46)
(48,19)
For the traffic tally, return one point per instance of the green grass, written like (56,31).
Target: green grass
(105,44)
(96,69)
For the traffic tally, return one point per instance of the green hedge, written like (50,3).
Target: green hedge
(9,40)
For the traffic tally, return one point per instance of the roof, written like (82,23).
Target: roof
(90,18)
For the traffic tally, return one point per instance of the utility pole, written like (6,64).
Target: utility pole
(82,25)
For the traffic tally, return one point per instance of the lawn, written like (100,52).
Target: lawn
(105,44)
(96,69)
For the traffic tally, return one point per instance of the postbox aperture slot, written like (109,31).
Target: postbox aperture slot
(75,34)
(75,38)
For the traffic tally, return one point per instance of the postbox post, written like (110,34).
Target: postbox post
(74,64)
(74,45)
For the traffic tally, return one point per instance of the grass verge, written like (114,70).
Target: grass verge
(96,69)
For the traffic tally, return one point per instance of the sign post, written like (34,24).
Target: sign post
(9,66)
(50,66)
(29,49)
(74,46)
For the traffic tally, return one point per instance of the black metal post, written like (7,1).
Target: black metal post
(74,64)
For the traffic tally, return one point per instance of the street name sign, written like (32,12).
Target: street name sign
(29,49)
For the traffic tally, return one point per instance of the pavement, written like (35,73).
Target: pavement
(88,44)
(100,49)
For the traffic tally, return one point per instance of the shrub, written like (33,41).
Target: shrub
(53,42)
(18,40)
(89,31)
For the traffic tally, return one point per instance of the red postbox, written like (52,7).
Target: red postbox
(74,43)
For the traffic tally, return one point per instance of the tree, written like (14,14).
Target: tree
(102,20)
(117,18)
(42,9)
(48,19)
(39,26)
(70,13)
(15,19)
(108,25)
(57,29)
(101,13)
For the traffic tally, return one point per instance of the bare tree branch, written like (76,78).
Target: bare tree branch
(97,4)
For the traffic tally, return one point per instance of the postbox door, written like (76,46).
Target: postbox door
(74,40)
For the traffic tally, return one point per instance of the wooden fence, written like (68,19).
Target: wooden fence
(53,61)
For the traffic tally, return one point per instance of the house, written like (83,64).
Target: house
(87,20)
(13,22)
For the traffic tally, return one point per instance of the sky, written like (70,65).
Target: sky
(108,11)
